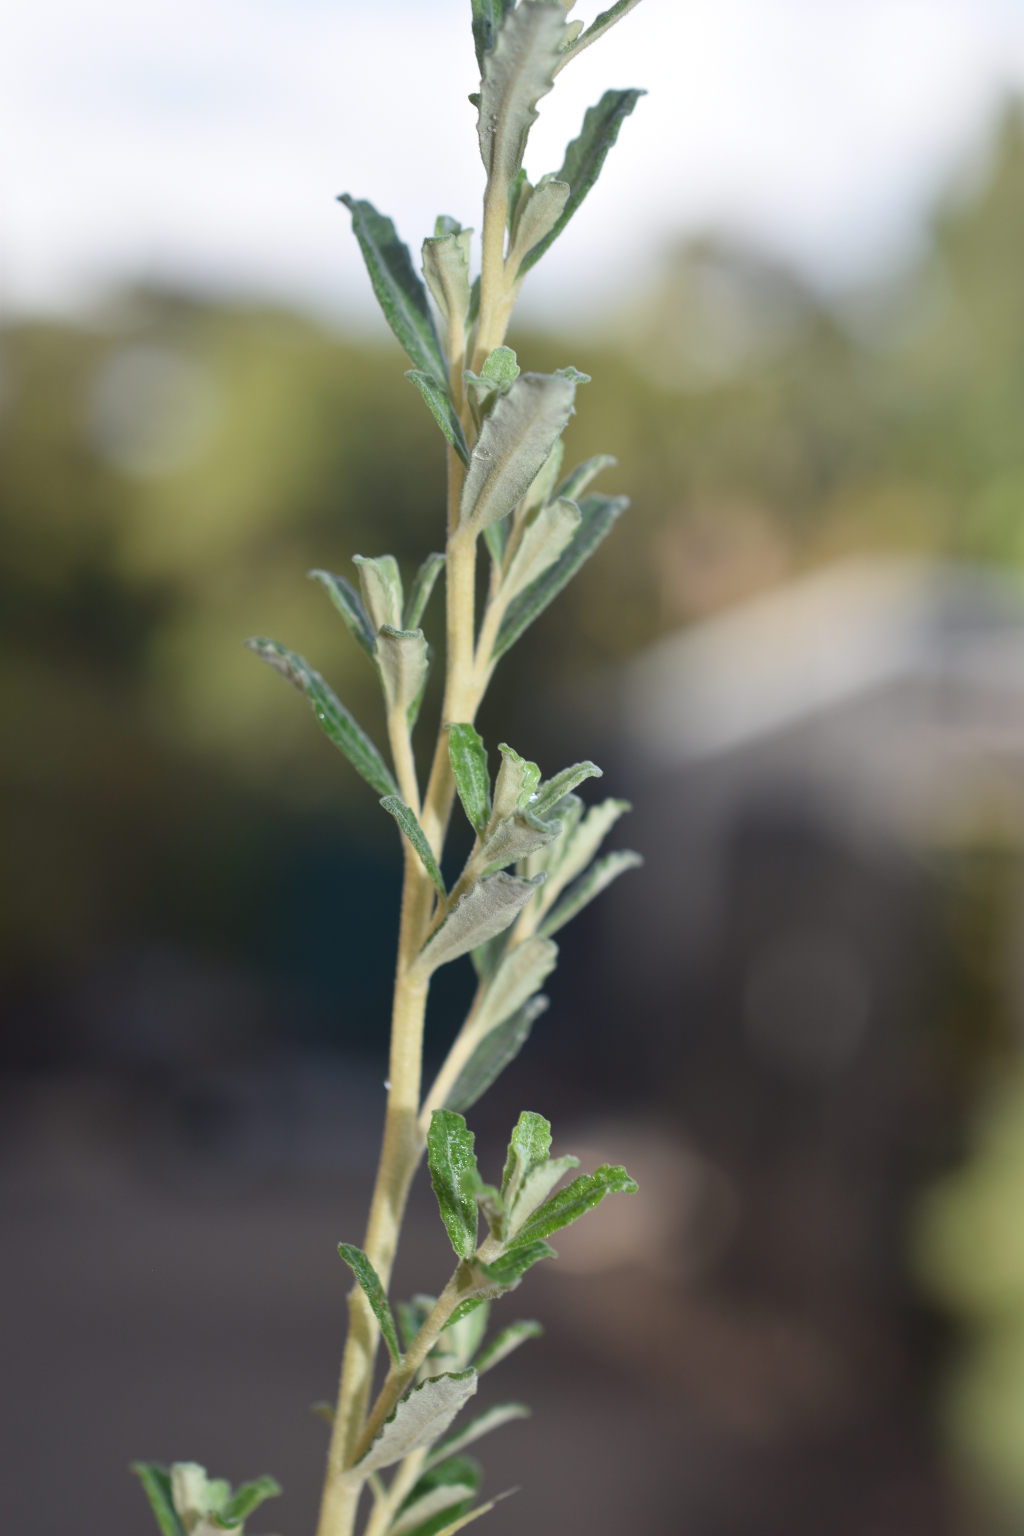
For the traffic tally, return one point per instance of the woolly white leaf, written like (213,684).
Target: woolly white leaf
(515,440)
(418,1419)
(516,74)
(487,908)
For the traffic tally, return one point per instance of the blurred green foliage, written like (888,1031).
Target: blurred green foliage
(170,470)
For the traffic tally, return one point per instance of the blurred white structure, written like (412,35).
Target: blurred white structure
(890,692)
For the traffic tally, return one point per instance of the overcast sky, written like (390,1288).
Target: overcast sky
(204,141)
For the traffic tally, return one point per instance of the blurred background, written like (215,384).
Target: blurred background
(799,290)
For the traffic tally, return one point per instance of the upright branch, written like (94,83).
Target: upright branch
(533,864)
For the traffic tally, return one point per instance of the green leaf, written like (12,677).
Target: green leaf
(156,1481)
(455,1178)
(515,439)
(468,757)
(598,515)
(381,584)
(474,1514)
(515,838)
(535,1188)
(502,1345)
(571,1203)
(463,1310)
(528,1148)
(573,486)
(446,269)
(474,303)
(369,1279)
(399,291)
(487,908)
(396,807)
(403,660)
(517,779)
(537,212)
(485,957)
(500,1046)
(577,845)
(521,973)
(543,541)
(501,367)
(496,538)
(517,72)
(584,158)
(338,725)
(442,409)
(542,484)
(418,1419)
(573,375)
(488,16)
(553,790)
(518,188)
(509,1267)
(446,1484)
(422,587)
(597,879)
(350,605)
(494,1418)
(598,27)
(249,1496)
(461,1338)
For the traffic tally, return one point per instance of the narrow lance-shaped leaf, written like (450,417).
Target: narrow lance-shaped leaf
(597,879)
(487,908)
(517,72)
(369,1279)
(422,587)
(350,605)
(571,1203)
(509,1267)
(474,1514)
(499,1047)
(396,807)
(442,409)
(584,158)
(156,1482)
(575,483)
(338,725)
(578,845)
(419,1418)
(455,1178)
(494,1418)
(399,291)
(551,791)
(505,1342)
(528,1148)
(598,516)
(536,216)
(381,584)
(515,439)
(521,973)
(249,1496)
(468,758)
(544,540)
(418,1517)
(535,1188)
(598,27)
